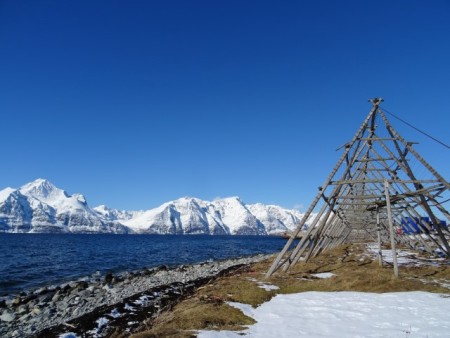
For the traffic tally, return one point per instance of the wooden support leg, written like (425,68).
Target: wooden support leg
(380,254)
(391,227)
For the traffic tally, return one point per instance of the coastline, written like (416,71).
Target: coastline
(34,261)
(49,312)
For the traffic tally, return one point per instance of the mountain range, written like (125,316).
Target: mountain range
(41,207)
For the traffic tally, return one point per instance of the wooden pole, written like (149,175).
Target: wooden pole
(380,254)
(391,227)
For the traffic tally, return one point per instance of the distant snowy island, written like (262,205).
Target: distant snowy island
(41,207)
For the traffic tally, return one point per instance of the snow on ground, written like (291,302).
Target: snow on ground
(347,314)
(323,275)
(68,335)
(268,287)
(265,286)
(404,257)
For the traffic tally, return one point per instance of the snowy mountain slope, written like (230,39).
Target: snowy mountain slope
(236,216)
(228,216)
(15,211)
(39,206)
(116,215)
(277,219)
(183,216)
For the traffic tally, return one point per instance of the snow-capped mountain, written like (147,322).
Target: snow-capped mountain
(39,206)
(116,215)
(194,216)
(277,219)
(228,216)
(237,217)
(183,216)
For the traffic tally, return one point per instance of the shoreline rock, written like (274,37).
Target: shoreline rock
(121,295)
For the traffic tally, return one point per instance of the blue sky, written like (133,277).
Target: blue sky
(134,103)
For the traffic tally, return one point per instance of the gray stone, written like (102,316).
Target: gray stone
(36,311)
(56,297)
(47,298)
(62,306)
(16,301)
(108,278)
(21,310)
(7,316)
(41,291)
(83,285)
(25,317)
(85,293)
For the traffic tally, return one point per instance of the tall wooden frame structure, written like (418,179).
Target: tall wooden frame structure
(379,187)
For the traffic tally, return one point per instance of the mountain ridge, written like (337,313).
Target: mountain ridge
(41,207)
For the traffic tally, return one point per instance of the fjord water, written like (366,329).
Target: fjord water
(29,261)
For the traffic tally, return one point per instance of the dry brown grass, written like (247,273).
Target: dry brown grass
(191,315)
(354,271)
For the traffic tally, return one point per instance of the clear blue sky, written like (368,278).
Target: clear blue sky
(134,103)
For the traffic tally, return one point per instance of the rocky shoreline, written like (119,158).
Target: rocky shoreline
(97,308)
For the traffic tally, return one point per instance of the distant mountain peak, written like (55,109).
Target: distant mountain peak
(231,199)
(186,199)
(40,188)
(40,206)
(39,182)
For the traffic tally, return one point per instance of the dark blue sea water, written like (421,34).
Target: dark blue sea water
(28,261)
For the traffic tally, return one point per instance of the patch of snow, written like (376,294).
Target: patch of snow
(323,275)
(346,314)
(102,322)
(265,286)
(128,307)
(404,257)
(444,283)
(143,300)
(268,287)
(115,313)
(68,335)
(441,282)
(246,309)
